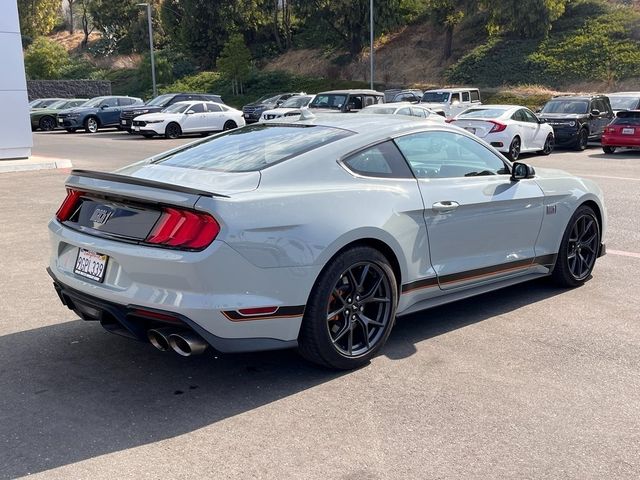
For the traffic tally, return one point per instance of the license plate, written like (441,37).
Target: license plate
(628,131)
(123,122)
(91,265)
(59,120)
(469,129)
(137,129)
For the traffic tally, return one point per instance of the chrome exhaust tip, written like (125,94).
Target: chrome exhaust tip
(187,343)
(159,337)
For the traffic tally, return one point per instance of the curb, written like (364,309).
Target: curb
(34,163)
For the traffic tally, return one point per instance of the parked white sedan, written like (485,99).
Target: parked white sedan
(188,117)
(290,108)
(511,129)
(405,108)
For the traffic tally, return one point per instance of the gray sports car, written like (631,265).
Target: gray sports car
(313,234)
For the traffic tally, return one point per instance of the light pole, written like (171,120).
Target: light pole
(371,39)
(153,61)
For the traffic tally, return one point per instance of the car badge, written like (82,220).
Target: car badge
(101,214)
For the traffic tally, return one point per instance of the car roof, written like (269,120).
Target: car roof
(623,94)
(454,90)
(495,106)
(355,90)
(577,97)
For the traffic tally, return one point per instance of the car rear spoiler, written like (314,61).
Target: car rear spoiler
(114,177)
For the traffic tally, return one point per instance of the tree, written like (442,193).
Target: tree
(448,14)
(524,18)
(71,4)
(235,63)
(45,59)
(86,21)
(38,17)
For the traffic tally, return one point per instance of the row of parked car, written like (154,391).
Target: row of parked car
(569,121)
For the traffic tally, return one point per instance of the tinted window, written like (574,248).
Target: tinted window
(518,116)
(253,148)
(566,106)
(355,102)
(624,103)
(196,107)
(475,96)
(627,118)
(125,101)
(383,160)
(333,101)
(109,102)
(529,116)
(435,97)
(455,97)
(441,154)
(213,108)
(465,96)
(480,112)
(600,104)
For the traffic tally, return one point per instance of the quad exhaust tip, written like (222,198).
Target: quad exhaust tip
(187,343)
(159,337)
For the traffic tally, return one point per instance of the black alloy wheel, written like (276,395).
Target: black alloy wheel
(609,149)
(47,123)
(579,248)
(582,140)
(514,149)
(173,130)
(351,310)
(549,145)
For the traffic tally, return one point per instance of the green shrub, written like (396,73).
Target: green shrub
(45,59)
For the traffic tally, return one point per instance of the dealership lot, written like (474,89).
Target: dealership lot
(526,382)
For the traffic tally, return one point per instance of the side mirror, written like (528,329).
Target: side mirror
(595,112)
(541,120)
(279,103)
(190,112)
(538,110)
(521,171)
(103,106)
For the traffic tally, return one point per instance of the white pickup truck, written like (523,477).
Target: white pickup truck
(451,100)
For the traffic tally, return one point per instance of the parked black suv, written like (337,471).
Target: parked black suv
(159,103)
(253,111)
(577,120)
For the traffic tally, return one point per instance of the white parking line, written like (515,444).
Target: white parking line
(612,178)
(622,253)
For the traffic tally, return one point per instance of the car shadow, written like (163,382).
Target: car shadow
(71,391)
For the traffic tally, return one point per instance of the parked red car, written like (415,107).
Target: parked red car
(624,131)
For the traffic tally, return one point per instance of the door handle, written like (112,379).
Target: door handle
(445,206)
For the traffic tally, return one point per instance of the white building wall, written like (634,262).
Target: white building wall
(15,126)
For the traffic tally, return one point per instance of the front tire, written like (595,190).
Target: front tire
(549,145)
(608,149)
(47,123)
(351,310)
(579,249)
(173,131)
(582,140)
(514,149)
(91,125)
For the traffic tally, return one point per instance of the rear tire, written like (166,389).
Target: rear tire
(229,125)
(173,131)
(47,123)
(609,149)
(582,140)
(514,149)
(578,249)
(351,310)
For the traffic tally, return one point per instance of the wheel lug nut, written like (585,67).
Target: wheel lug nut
(348,300)
(347,312)
(362,309)
(357,297)
(353,317)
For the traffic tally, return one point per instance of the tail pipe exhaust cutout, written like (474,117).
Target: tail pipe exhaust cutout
(187,343)
(159,337)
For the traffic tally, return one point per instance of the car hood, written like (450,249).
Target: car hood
(226,183)
(435,106)
(158,116)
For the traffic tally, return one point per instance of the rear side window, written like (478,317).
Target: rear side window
(213,108)
(253,148)
(475,96)
(465,96)
(196,108)
(383,160)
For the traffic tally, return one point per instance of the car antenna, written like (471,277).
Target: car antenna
(306,114)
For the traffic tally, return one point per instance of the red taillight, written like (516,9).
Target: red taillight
(449,120)
(258,311)
(184,229)
(68,205)
(497,126)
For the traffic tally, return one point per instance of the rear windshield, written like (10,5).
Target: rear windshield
(253,148)
(627,118)
(435,97)
(483,113)
(382,110)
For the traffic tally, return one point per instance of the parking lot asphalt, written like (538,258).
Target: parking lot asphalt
(527,382)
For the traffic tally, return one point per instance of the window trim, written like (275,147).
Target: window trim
(341,161)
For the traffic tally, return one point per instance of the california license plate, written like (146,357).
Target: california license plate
(91,265)
(628,131)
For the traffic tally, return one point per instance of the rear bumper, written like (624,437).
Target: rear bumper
(621,140)
(205,289)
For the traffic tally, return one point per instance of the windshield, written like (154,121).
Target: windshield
(328,100)
(566,106)
(296,102)
(483,113)
(435,97)
(624,103)
(177,108)
(94,102)
(253,148)
(270,98)
(383,110)
(161,101)
(59,104)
